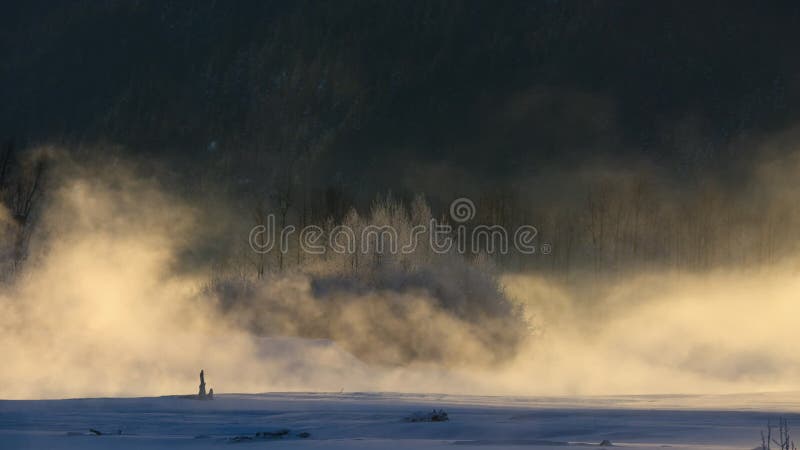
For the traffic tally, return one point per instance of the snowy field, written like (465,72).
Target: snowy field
(378,420)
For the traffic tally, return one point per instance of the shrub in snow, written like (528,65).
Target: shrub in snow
(281,433)
(778,439)
(433,416)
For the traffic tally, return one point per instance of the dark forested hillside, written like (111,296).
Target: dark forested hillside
(624,130)
(498,88)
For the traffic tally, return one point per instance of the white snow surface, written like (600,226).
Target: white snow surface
(376,421)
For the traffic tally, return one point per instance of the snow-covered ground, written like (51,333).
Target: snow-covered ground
(376,420)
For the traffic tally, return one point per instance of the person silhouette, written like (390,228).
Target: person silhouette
(202,390)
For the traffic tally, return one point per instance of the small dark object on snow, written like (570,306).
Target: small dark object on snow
(304,434)
(100,433)
(273,434)
(433,416)
(277,434)
(606,443)
(241,439)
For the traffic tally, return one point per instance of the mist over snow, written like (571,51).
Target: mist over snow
(106,304)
